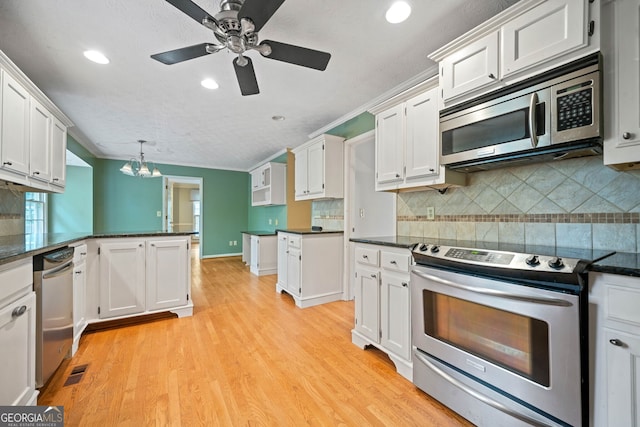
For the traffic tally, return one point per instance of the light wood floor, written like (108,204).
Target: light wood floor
(247,357)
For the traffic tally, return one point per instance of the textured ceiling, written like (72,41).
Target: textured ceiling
(135,97)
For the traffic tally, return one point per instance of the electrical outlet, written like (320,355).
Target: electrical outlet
(431,213)
(158,214)
(230,242)
(269,221)
(235,243)
(276,221)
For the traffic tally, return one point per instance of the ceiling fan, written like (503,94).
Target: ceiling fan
(236,28)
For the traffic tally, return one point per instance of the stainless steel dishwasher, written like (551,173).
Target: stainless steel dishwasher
(53,284)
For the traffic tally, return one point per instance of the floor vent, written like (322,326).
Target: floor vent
(76,375)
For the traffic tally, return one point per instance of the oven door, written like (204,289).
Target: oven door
(497,128)
(518,341)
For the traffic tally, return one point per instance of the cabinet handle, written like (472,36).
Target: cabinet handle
(78,272)
(397,175)
(394,263)
(627,135)
(56,179)
(375,276)
(491,76)
(405,284)
(83,253)
(18,311)
(616,342)
(140,245)
(365,256)
(36,173)
(7,163)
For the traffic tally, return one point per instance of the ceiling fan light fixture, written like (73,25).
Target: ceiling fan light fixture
(398,12)
(95,56)
(209,84)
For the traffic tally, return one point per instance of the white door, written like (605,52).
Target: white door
(167,271)
(422,138)
(368,303)
(301,184)
(79,298)
(58,153)
(623,376)
(390,141)
(315,168)
(122,278)
(18,351)
(254,265)
(394,310)
(294,271)
(14,140)
(40,142)
(282,260)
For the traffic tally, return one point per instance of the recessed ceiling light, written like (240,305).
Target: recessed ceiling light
(398,12)
(277,118)
(209,84)
(95,56)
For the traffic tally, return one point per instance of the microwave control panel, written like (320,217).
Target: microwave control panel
(574,109)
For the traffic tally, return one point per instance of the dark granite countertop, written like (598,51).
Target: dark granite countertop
(13,248)
(309,231)
(260,233)
(623,263)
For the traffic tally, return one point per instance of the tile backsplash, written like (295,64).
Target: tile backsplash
(573,203)
(11,212)
(328,214)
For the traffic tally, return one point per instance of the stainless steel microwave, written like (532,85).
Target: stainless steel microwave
(553,116)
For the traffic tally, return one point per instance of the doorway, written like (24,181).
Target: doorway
(182,206)
(368,213)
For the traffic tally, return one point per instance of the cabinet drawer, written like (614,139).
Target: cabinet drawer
(79,254)
(15,278)
(367,256)
(395,262)
(622,304)
(294,241)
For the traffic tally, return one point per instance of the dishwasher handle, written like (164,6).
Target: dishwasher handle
(58,272)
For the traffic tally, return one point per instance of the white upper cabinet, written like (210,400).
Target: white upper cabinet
(319,168)
(33,133)
(408,142)
(269,184)
(14,126)
(526,39)
(470,68)
(621,47)
(40,122)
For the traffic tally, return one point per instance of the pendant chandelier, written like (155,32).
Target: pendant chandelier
(139,167)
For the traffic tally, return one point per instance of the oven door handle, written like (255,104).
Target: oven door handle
(59,272)
(481,397)
(533,125)
(497,293)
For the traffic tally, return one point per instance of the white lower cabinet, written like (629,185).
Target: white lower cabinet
(142,275)
(310,267)
(264,256)
(382,301)
(17,334)
(79,293)
(614,356)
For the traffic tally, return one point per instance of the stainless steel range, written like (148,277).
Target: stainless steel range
(499,336)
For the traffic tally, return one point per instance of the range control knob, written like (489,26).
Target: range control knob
(532,260)
(435,249)
(423,247)
(556,263)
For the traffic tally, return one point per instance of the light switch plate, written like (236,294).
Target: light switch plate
(431,213)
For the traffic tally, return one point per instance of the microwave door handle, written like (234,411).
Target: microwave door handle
(479,396)
(495,292)
(533,126)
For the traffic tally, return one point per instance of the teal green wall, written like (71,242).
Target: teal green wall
(259,216)
(128,204)
(77,149)
(355,126)
(72,211)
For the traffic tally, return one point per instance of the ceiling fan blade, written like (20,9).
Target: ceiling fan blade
(259,11)
(182,54)
(191,9)
(246,77)
(298,55)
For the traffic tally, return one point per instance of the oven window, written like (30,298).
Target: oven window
(515,342)
(512,126)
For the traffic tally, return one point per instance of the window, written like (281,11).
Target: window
(196,216)
(35,214)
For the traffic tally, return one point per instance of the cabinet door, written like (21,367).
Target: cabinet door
(58,153)
(623,376)
(167,273)
(14,126)
(255,254)
(390,145)
(282,260)
(294,266)
(368,303)
(551,29)
(18,351)
(470,68)
(122,278)
(394,311)
(79,298)
(315,168)
(422,138)
(301,184)
(40,142)
(624,145)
